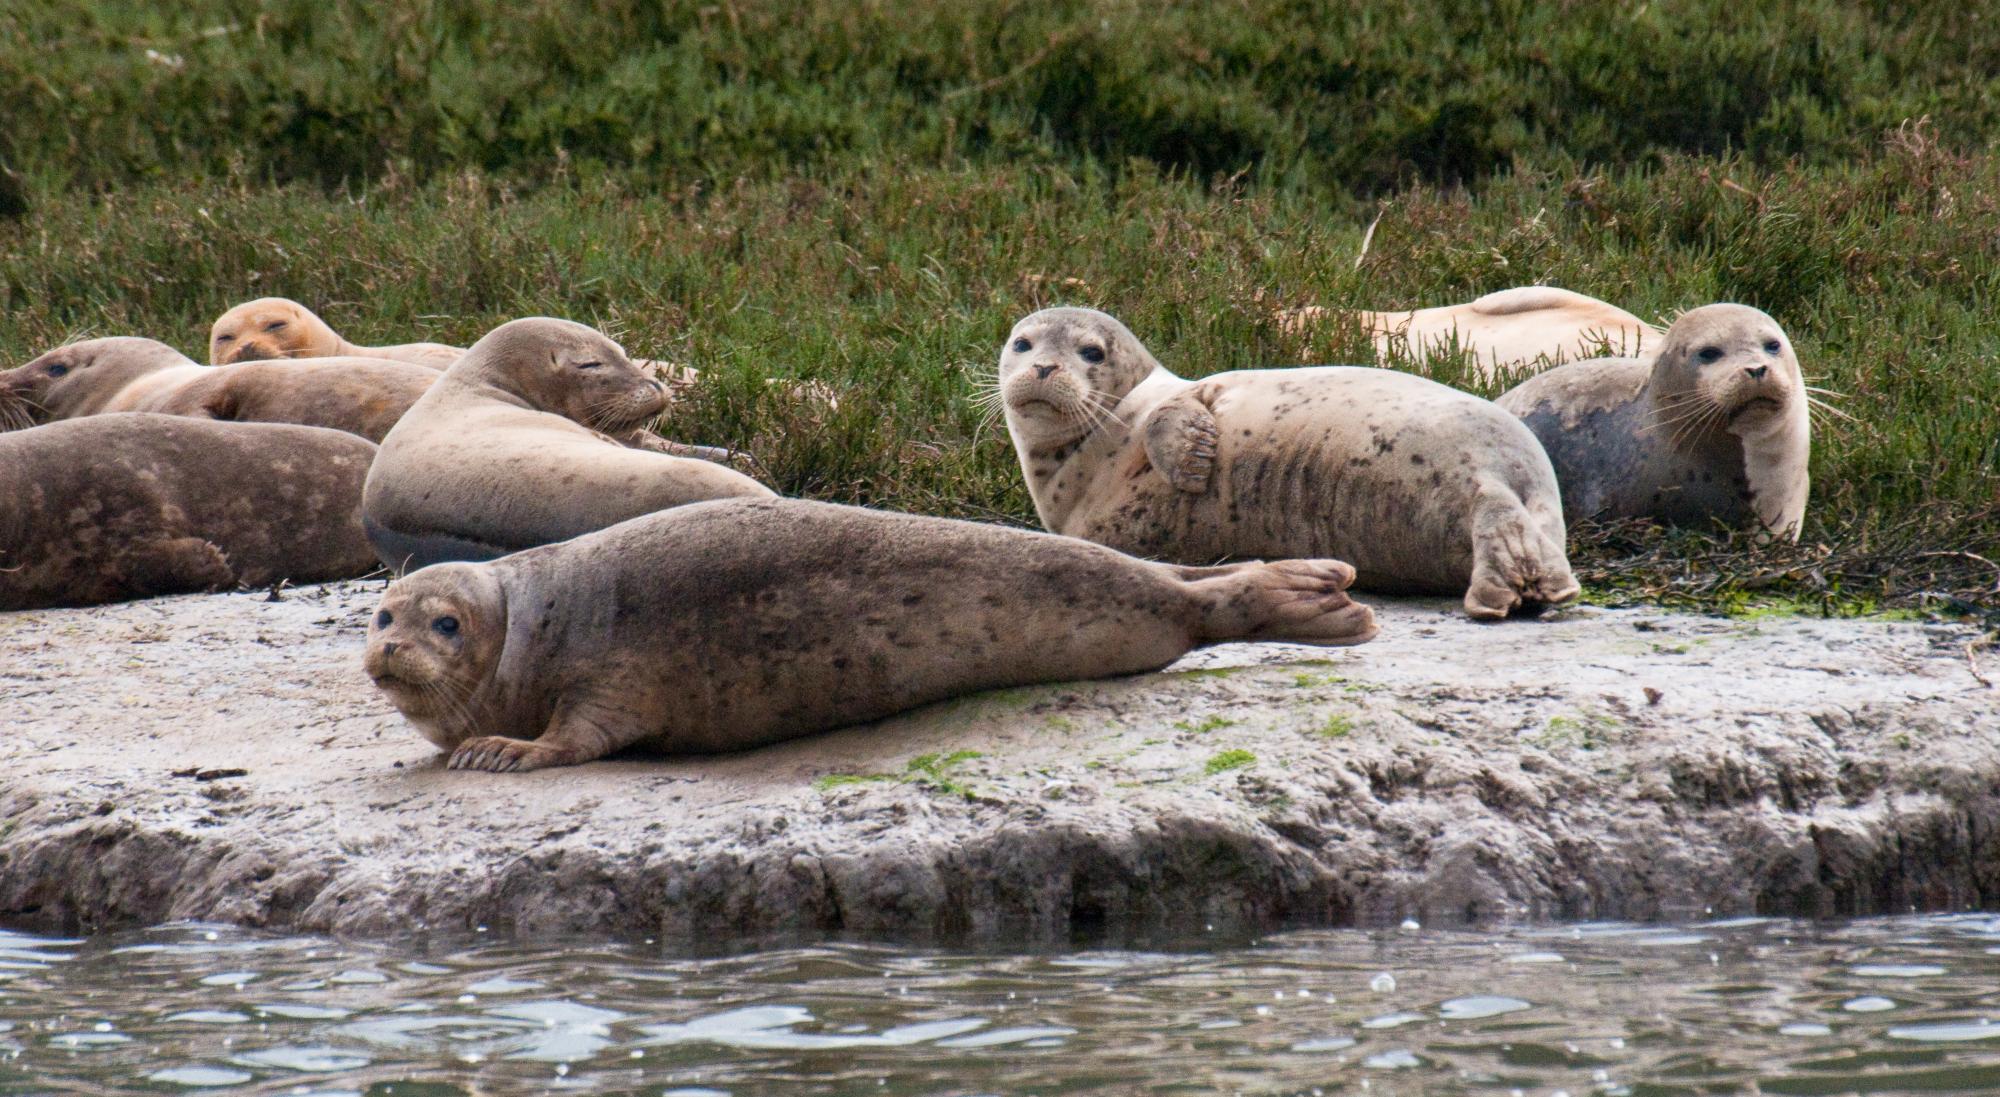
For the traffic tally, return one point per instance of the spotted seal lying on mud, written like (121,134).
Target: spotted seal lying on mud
(1507,328)
(129,505)
(363,396)
(1424,489)
(513,448)
(279,327)
(1715,427)
(725,625)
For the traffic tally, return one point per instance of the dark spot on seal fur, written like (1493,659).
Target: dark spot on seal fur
(1416,458)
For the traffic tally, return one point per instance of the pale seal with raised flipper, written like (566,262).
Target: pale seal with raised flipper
(1424,489)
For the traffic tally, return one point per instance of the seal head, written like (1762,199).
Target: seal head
(268,328)
(1064,370)
(434,643)
(1726,367)
(566,368)
(81,378)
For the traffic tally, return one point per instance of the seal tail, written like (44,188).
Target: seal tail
(1303,601)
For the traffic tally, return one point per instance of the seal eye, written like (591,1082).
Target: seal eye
(1092,355)
(1773,347)
(1022,346)
(582,365)
(384,619)
(57,370)
(274,325)
(446,626)
(1709,354)
(225,338)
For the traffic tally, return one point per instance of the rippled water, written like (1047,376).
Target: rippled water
(1880,1006)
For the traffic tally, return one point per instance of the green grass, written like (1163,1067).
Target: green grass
(1228,760)
(869,195)
(937,772)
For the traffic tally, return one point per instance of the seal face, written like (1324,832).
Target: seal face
(129,505)
(1505,329)
(1422,488)
(279,328)
(512,448)
(729,624)
(1714,428)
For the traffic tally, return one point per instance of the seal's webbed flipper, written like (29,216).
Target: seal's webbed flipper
(581,731)
(1180,436)
(1303,601)
(176,565)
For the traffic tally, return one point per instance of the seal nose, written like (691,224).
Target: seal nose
(389,647)
(1757,372)
(248,352)
(1042,371)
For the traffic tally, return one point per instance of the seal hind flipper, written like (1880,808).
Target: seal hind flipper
(1514,563)
(1180,436)
(1303,601)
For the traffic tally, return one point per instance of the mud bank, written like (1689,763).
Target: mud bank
(222,757)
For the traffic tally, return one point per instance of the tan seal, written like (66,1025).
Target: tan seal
(1424,489)
(1714,428)
(129,505)
(363,396)
(92,377)
(278,327)
(731,624)
(1506,329)
(512,448)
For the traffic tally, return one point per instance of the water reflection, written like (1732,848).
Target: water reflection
(1882,1006)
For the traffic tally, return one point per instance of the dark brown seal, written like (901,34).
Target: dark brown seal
(1424,489)
(1715,428)
(512,448)
(725,625)
(130,505)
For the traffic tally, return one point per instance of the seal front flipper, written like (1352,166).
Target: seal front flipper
(177,565)
(1180,441)
(581,731)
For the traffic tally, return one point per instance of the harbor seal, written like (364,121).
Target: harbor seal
(1715,427)
(725,625)
(1424,489)
(130,505)
(512,448)
(363,396)
(1506,329)
(91,377)
(278,327)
